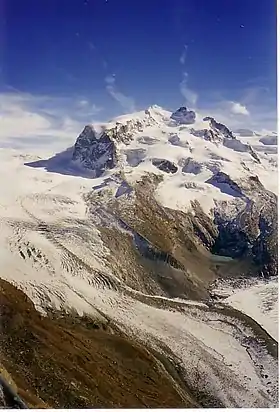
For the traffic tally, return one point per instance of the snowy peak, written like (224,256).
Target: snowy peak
(219,128)
(148,117)
(97,148)
(157,141)
(94,151)
(183,116)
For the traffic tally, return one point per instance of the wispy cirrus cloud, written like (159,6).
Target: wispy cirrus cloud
(127,103)
(184,55)
(253,105)
(189,95)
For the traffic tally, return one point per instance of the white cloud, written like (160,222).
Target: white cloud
(259,101)
(261,116)
(238,108)
(126,102)
(189,95)
(30,121)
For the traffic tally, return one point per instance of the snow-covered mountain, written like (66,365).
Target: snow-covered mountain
(197,159)
(134,223)
(138,143)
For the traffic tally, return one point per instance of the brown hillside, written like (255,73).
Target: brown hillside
(71,362)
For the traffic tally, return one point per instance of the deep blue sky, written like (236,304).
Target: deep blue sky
(68,47)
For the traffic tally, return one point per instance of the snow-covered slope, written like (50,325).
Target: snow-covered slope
(270,140)
(109,226)
(258,298)
(261,303)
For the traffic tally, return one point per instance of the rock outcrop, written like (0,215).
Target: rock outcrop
(220,134)
(183,116)
(165,165)
(252,231)
(219,128)
(95,151)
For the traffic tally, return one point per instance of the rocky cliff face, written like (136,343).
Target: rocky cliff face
(98,151)
(95,152)
(252,231)
(183,116)
(219,128)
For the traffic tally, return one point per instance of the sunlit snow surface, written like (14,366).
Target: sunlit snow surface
(260,302)
(53,252)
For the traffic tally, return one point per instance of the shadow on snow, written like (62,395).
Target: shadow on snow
(63,164)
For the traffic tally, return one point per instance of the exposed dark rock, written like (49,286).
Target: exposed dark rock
(253,230)
(135,156)
(219,127)
(175,140)
(203,226)
(219,133)
(190,165)
(183,116)
(148,140)
(238,146)
(160,252)
(97,151)
(94,151)
(165,165)
(225,184)
(206,135)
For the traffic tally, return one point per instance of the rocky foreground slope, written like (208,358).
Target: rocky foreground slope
(113,247)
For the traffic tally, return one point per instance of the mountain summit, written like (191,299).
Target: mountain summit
(184,116)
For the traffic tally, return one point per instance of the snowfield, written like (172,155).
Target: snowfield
(54,253)
(260,302)
(256,298)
